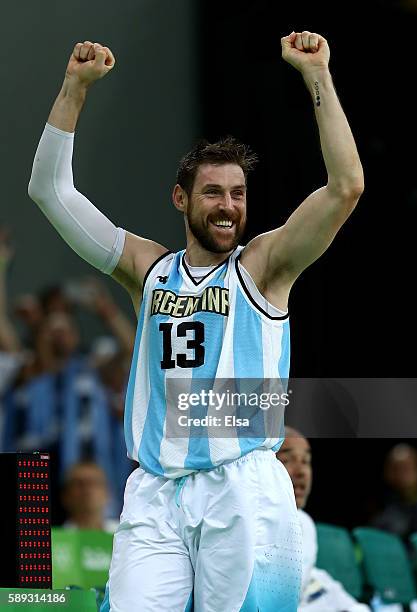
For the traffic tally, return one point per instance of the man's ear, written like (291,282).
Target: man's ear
(179,198)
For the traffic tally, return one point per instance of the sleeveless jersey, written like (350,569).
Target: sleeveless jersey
(216,327)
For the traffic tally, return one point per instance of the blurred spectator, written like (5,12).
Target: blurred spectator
(56,397)
(57,342)
(66,409)
(11,356)
(85,497)
(399,514)
(319,592)
(28,309)
(113,375)
(92,294)
(54,299)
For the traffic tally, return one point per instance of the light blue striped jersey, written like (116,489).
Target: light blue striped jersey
(217,327)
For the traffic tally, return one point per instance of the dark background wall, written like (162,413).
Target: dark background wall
(189,68)
(353,310)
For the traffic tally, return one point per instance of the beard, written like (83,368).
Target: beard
(202,232)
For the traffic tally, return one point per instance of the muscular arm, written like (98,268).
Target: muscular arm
(285,252)
(94,237)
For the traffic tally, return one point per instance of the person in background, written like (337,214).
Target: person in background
(85,498)
(54,298)
(11,354)
(58,342)
(319,591)
(53,395)
(94,297)
(27,308)
(399,514)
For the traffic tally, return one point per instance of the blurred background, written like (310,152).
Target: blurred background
(188,69)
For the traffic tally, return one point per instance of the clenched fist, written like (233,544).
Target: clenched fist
(306,51)
(89,62)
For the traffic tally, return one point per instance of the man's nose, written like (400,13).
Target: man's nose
(227,201)
(300,469)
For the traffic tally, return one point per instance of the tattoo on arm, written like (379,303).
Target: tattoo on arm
(317,92)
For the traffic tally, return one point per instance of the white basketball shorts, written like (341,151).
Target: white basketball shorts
(224,540)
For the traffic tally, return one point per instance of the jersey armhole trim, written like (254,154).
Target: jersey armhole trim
(251,299)
(152,266)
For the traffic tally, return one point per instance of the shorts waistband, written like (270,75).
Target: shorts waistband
(260,453)
(263,453)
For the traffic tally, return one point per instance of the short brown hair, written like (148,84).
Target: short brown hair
(227,150)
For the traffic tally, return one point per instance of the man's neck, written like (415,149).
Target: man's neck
(197,256)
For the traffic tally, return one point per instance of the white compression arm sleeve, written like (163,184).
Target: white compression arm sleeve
(79,222)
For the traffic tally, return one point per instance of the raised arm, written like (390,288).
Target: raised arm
(278,257)
(94,237)
(98,299)
(9,340)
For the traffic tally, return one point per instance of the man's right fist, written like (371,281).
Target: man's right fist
(89,62)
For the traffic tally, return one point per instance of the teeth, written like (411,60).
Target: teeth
(224,223)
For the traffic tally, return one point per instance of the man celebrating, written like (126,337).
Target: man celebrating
(209,521)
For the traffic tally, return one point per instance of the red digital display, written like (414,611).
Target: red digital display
(33,521)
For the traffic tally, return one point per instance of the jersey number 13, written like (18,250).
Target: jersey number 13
(194,343)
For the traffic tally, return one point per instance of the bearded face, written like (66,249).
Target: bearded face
(216,211)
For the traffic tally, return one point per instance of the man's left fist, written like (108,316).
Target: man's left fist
(305,51)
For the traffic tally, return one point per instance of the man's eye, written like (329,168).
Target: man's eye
(238,194)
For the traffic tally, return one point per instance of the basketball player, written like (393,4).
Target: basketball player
(210,523)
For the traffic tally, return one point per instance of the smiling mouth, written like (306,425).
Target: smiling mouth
(223,226)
